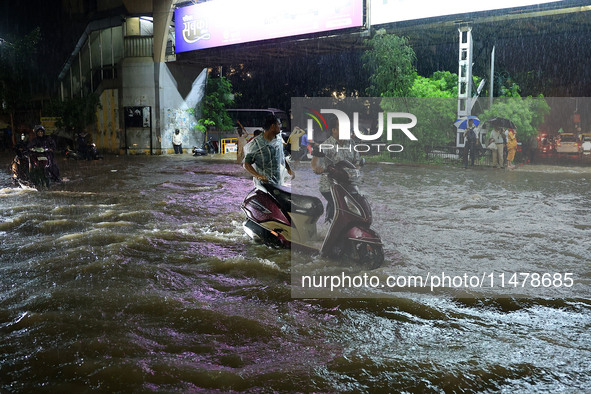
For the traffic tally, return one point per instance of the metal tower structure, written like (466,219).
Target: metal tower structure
(464,77)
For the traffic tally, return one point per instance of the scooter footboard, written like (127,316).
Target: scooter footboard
(268,237)
(364,235)
(366,247)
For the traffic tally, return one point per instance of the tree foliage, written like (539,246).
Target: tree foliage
(440,84)
(75,113)
(390,60)
(212,110)
(17,71)
(433,100)
(527,113)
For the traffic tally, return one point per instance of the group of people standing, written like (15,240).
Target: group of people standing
(498,141)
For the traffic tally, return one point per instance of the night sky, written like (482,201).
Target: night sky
(59,28)
(552,63)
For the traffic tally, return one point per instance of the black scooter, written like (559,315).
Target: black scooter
(72,154)
(89,152)
(208,147)
(92,152)
(39,167)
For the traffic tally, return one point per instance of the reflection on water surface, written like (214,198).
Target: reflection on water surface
(135,275)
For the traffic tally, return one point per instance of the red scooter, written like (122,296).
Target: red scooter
(280,218)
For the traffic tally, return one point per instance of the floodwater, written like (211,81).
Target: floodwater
(134,275)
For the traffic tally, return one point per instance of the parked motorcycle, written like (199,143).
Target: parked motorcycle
(72,154)
(280,218)
(92,153)
(89,152)
(208,147)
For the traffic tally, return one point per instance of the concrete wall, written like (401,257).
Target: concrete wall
(180,90)
(108,134)
(137,76)
(176,110)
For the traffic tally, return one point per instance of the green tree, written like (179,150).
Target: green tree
(504,85)
(435,106)
(17,72)
(212,110)
(389,60)
(527,113)
(440,84)
(75,113)
(433,100)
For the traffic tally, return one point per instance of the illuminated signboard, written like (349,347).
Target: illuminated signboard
(387,11)
(226,22)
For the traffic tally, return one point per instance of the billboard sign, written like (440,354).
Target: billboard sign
(388,11)
(226,22)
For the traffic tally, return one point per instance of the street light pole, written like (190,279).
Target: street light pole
(492,74)
(464,77)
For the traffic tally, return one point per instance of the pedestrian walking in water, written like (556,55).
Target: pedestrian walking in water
(264,156)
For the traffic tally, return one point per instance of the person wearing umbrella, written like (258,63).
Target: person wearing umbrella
(496,137)
(470,143)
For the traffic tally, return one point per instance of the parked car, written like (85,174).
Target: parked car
(567,143)
(586,144)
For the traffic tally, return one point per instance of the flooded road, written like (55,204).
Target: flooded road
(135,275)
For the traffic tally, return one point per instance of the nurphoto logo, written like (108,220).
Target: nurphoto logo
(394,121)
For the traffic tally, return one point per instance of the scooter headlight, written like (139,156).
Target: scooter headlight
(353,206)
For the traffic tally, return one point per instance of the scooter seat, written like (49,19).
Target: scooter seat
(297,203)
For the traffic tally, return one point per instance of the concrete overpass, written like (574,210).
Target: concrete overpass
(156,79)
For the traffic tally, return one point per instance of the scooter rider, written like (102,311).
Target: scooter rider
(331,151)
(43,141)
(266,153)
(20,148)
(20,163)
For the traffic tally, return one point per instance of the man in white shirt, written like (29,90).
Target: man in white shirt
(498,154)
(177,142)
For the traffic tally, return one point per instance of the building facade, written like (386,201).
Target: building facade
(128,62)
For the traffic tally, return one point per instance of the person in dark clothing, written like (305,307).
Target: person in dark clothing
(20,163)
(469,144)
(20,148)
(83,146)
